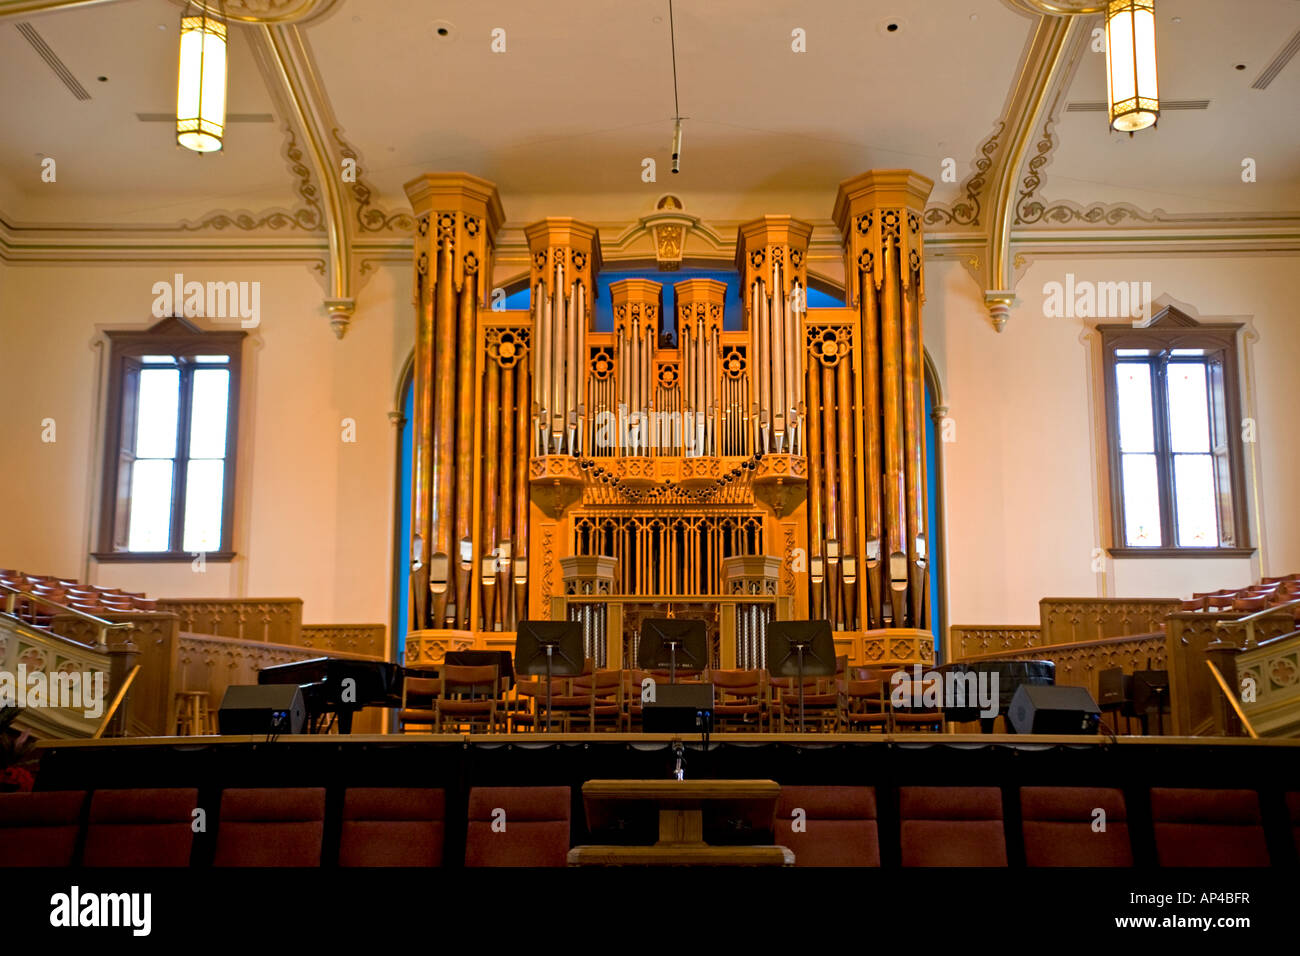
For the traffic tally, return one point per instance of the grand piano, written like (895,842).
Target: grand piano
(1010,675)
(324,691)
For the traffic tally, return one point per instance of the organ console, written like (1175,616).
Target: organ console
(675,439)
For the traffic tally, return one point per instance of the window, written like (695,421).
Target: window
(1174,434)
(170,453)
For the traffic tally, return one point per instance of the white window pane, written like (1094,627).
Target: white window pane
(212,359)
(158,359)
(1141,502)
(1133,382)
(208,413)
(1189,417)
(1123,352)
(155,435)
(151,506)
(203,485)
(1198,525)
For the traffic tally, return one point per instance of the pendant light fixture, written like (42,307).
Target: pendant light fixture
(1133,100)
(201,83)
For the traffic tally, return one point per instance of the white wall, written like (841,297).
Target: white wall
(1024,481)
(313,515)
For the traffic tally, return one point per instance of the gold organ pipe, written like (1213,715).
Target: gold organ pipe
(764,367)
(571,372)
(503,536)
(891,348)
(541,374)
(466,392)
(848,462)
(794,368)
(582,367)
(494,409)
(815,475)
(443,576)
(914,435)
(872,417)
(520,549)
(558,345)
(830,480)
(752,365)
(778,358)
(422,469)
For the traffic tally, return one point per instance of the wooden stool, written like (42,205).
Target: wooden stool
(193,715)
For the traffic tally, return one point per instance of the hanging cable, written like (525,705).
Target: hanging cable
(677,109)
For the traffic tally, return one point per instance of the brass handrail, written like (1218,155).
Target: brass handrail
(1249,620)
(1227,692)
(11,602)
(117,701)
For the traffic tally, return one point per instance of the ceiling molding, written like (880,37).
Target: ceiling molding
(298,82)
(1057,42)
(1033,211)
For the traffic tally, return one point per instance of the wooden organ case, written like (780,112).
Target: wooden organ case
(670,466)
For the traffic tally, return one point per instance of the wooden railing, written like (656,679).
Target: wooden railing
(274,620)
(1194,638)
(1261,670)
(104,648)
(211,664)
(1071,620)
(370,640)
(968,640)
(1078,663)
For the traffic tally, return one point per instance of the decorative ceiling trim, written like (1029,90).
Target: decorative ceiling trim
(284,45)
(966,211)
(1057,42)
(370,218)
(309,218)
(1034,210)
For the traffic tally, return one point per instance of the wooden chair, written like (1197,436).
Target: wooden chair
(469,697)
(739,697)
(602,692)
(820,703)
(862,704)
(418,694)
(632,680)
(914,715)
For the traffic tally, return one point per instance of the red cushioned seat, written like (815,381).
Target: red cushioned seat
(952,826)
(392,827)
(140,828)
(1208,827)
(838,826)
(1057,823)
(40,829)
(536,825)
(270,827)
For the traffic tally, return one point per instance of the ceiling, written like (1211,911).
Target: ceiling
(562,120)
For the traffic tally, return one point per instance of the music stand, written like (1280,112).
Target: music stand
(1151,690)
(665,640)
(799,648)
(553,648)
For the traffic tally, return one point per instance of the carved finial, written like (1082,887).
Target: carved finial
(999,303)
(340,314)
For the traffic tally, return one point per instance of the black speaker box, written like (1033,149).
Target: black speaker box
(1053,709)
(256,709)
(678,709)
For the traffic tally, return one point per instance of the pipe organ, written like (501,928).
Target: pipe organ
(768,464)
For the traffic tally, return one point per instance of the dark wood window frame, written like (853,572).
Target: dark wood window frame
(1172,329)
(171,336)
